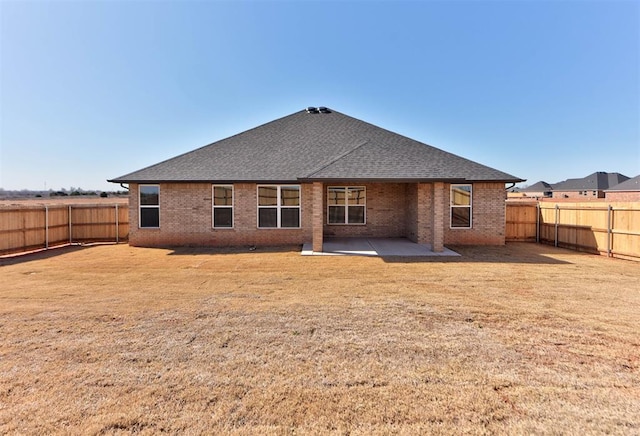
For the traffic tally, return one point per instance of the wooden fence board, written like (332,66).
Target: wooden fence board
(609,228)
(26,228)
(521,221)
(93,224)
(58,225)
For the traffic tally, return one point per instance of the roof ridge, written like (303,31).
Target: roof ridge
(346,153)
(307,147)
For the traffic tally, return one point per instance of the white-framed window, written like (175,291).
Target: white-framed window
(222,206)
(149,204)
(346,205)
(278,206)
(461,201)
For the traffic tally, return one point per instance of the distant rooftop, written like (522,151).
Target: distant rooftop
(598,181)
(629,185)
(537,187)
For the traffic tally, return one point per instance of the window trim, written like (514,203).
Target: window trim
(278,207)
(147,206)
(469,206)
(214,207)
(346,206)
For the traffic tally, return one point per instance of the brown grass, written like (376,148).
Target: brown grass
(518,339)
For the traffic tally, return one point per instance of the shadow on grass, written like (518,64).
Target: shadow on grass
(14,259)
(511,253)
(192,251)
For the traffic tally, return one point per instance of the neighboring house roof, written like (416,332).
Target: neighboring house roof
(630,185)
(316,146)
(538,187)
(597,181)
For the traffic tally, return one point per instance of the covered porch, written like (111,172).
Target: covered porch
(387,218)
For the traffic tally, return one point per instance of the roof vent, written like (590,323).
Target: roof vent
(324,110)
(312,110)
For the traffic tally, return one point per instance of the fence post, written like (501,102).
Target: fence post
(555,237)
(538,212)
(609,230)
(46,227)
(70,238)
(117,229)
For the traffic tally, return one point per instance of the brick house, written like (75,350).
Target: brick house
(540,189)
(591,187)
(314,174)
(625,191)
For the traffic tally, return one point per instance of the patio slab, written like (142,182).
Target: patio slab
(381,247)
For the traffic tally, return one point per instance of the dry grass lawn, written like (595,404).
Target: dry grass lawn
(518,339)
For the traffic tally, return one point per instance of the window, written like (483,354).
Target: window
(278,206)
(461,201)
(149,206)
(223,206)
(346,205)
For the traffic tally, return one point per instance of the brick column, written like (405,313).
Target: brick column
(318,216)
(438,217)
(423,206)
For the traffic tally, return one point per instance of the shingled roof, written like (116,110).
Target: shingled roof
(540,186)
(316,146)
(630,185)
(597,181)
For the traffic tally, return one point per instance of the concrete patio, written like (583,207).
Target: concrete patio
(381,247)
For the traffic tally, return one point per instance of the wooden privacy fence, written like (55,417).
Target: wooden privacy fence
(522,222)
(606,228)
(26,228)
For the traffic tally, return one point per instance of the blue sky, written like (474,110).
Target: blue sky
(543,90)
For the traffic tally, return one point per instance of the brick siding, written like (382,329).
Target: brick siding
(318,217)
(488,221)
(186,219)
(623,196)
(586,194)
(438,206)
(419,216)
(393,210)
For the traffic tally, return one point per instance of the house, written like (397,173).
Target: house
(625,191)
(538,190)
(587,188)
(313,174)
